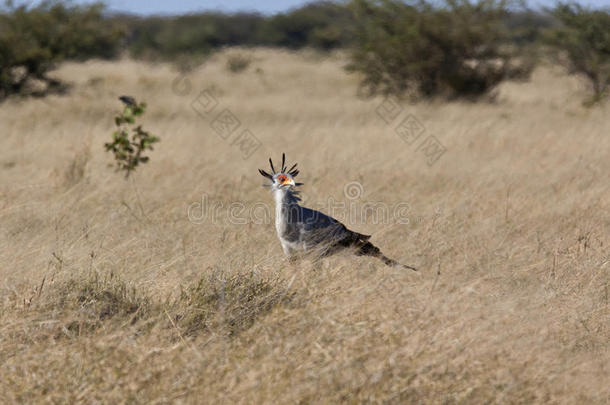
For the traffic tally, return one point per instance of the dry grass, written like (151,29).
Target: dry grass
(110,295)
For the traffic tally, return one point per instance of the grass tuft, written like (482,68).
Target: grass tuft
(89,302)
(228,303)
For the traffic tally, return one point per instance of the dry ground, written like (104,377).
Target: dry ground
(110,294)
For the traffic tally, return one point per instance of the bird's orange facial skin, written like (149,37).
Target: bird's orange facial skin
(283,179)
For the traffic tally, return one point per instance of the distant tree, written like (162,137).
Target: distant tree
(323,25)
(459,48)
(527,26)
(33,40)
(583,41)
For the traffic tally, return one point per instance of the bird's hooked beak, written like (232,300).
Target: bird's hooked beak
(287,182)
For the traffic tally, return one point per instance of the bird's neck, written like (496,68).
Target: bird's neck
(286,207)
(284,198)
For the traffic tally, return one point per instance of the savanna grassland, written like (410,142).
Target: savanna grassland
(110,293)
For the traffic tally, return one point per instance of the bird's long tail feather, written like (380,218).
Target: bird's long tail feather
(368,249)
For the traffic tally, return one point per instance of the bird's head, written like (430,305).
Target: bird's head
(284,179)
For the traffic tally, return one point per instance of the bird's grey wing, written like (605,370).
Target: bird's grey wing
(319,228)
(307,225)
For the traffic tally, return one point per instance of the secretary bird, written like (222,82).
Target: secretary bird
(306,230)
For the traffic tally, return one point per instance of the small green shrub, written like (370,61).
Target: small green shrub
(583,43)
(129,141)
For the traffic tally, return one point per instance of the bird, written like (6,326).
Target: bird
(302,229)
(128,101)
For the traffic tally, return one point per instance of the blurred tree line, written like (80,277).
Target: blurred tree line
(322,25)
(419,47)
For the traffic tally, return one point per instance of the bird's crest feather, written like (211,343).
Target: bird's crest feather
(293,171)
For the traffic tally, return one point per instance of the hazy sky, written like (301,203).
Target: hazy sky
(265,7)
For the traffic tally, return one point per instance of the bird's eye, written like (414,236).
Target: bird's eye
(281,179)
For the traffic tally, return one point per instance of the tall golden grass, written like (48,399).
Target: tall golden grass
(110,294)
